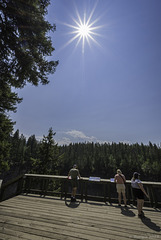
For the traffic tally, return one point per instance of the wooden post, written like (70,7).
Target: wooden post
(86,190)
(154,196)
(128,193)
(104,189)
(66,187)
(109,192)
(20,186)
(1,194)
(45,187)
(62,189)
(81,183)
(150,195)
(1,191)
(28,185)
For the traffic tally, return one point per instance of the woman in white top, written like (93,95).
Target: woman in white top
(139,192)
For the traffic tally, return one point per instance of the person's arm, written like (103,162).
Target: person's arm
(124,178)
(69,174)
(79,174)
(115,178)
(142,188)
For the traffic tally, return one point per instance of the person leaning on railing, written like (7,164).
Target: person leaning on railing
(120,181)
(74,174)
(139,192)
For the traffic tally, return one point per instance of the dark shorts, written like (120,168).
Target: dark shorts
(74,183)
(138,193)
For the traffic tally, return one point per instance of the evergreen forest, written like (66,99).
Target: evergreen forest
(93,159)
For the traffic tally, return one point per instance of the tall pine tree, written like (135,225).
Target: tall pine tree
(47,161)
(24,46)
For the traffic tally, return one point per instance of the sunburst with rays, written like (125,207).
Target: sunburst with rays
(84,30)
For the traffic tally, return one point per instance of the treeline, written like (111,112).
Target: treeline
(93,159)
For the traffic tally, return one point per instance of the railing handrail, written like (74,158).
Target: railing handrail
(24,183)
(86,179)
(107,184)
(12,181)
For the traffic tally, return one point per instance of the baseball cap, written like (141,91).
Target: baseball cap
(136,174)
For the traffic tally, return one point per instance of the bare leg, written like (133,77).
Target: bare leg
(124,197)
(140,203)
(119,198)
(74,190)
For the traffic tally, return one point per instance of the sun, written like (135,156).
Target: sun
(84,30)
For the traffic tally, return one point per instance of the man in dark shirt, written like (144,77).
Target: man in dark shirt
(74,174)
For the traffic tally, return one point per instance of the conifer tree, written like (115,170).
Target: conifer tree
(6,127)
(24,46)
(48,155)
(24,42)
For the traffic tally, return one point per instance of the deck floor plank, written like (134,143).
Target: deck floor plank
(35,218)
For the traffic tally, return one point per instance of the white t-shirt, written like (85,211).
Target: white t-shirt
(134,183)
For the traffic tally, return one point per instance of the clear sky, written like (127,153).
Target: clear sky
(107,88)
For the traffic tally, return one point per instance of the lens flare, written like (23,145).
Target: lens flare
(84,30)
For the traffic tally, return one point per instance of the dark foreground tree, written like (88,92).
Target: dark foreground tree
(24,46)
(24,42)
(6,127)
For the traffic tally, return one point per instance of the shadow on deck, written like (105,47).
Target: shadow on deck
(36,218)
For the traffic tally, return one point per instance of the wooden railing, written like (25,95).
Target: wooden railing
(53,185)
(11,188)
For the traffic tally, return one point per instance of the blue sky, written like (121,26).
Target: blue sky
(111,90)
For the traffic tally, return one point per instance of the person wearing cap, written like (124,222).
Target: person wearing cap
(120,181)
(139,193)
(74,174)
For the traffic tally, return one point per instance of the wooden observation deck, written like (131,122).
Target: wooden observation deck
(36,218)
(37,207)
